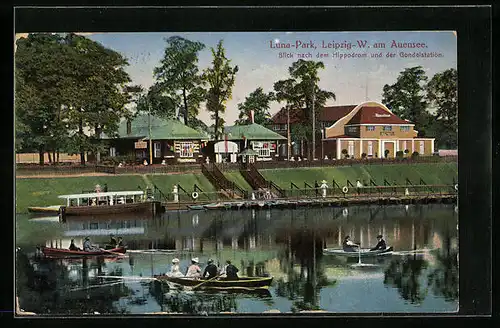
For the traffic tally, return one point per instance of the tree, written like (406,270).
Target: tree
(302,91)
(99,89)
(258,101)
(442,95)
(178,77)
(39,93)
(220,78)
(406,98)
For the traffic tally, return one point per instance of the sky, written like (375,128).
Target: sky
(257,54)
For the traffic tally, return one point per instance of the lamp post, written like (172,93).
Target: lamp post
(288,132)
(313,125)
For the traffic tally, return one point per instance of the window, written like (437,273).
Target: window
(112,151)
(186,149)
(350,151)
(387,128)
(421,150)
(94,226)
(352,129)
(370,148)
(405,128)
(370,128)
(157,149)
(262,148)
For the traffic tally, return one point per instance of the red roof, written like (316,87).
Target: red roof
(375,115)
(327,114)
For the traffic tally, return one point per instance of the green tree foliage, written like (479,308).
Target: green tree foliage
(220,78)
(406,98)
(442,95)
(178,81)
(65,86)
(301,90)
(258,101)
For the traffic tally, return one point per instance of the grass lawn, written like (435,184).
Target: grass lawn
(238,179)
(435,173)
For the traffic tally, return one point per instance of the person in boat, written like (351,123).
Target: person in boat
(175,270)
(381,245)
(194,270)
(349,246)
(88,247)
(231,271)
(119,243)
(72,246)
(112,242)
(211,270)
(105,188)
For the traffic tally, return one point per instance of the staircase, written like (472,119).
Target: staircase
(258,182)
(227,188)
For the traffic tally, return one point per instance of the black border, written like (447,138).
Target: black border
(473,26)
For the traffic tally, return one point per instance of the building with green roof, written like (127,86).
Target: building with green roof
(172,141)
(264,142)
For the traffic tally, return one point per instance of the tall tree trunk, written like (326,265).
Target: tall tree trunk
(50,158)
(98,135)
(57,152)
(217,125)
(185,106)
(54,156)
(82,151)
(41,155)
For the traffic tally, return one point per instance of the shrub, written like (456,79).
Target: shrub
(386,153)
(406,151)
(415,154)
(399,154)
(344,152)
(363,156)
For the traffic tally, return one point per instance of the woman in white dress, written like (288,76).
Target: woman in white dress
(175,269)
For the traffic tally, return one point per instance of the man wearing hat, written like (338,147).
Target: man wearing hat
(380,245)
(87,245)
(175,269)
(194,270)
(211,270)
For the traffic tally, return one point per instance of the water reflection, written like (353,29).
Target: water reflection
(286,244)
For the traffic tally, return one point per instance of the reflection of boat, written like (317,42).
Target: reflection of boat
(244,283)
(105,203)
(61,252)
(361,253)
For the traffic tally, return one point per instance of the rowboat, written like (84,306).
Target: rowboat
(61,252)
(215,206)
(362,253)
(106,203)
(243,283)
(196,207)
(44,209)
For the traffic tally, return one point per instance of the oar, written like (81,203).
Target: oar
(204,282)
(110,252)
(128,277)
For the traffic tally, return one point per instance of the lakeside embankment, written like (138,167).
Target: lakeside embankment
(45,191)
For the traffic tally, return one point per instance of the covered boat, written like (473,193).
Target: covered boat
(244,283)
(362,253)
(106,203)
(61,252)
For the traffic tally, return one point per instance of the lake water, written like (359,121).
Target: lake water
(286,244)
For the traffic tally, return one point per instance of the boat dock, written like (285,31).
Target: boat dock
(312,202)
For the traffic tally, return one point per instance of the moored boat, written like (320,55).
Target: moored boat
(61,252)
(106,203)
(44,209)
(196,207)
(244,283)
(362,253)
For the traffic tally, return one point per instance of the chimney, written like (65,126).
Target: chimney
(129,126)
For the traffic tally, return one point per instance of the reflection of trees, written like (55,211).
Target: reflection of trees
(199,302)
(444,277)
(302,287)
(405,274)
(43,286)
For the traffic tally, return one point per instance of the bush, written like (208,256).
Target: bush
(363,156)
(399,154)
(386,153)
(415,154)
(406,151)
